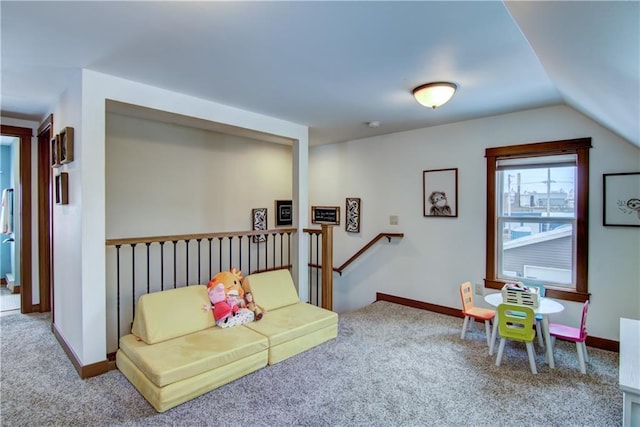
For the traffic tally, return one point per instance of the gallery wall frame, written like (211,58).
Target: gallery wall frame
(352,220)
(66,145)
(55,151)
(621,199)
(259,217)
(284,213)
(62,188)
(325,215)
(440,193)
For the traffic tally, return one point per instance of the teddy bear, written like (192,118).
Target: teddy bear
(257,310)
(223,308)
(251,305)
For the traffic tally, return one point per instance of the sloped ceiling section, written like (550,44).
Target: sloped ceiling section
(334,66)
(591,51)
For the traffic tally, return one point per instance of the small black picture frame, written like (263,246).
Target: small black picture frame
(621,199)
(62,188)
(325,215)
(259,217)
(66,146)
(284,213)
(55,152)
(440,193)
(352,220)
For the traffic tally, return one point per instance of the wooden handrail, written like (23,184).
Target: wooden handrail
(340,269)
(180,237)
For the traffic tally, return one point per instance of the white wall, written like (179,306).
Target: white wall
(80,227)
(68,294)
(168,179)
(437,254)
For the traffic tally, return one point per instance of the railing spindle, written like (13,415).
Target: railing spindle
(133,279)
(199,278)
(118,287)
(162,266)
(317,269)
(175,258)
(240,254)
(186,248)
(249,252)
(289,248)
(273,261)
(220,248)
(309,271)
(148,267)
(210,239)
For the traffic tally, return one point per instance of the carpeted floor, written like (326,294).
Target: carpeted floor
(389,366)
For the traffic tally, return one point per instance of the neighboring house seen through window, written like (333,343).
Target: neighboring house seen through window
(537,216)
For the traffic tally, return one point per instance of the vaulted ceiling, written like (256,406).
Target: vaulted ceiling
(336,66)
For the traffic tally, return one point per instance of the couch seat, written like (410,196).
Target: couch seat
(292,322)
(173,360)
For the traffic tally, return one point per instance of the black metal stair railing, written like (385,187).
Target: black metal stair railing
(136,266)
(315,260)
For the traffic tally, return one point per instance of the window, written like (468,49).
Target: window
(537,216)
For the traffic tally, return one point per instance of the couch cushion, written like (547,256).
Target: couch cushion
(272,289)
(278,353)
(293,321)
(173,360)
(164,315)
(163,398)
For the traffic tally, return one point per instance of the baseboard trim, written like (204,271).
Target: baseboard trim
(85,371)
(455,312)
(601,343)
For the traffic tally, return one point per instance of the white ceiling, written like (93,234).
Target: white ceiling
(335,66)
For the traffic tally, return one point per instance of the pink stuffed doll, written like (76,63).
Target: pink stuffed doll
(223,307)
(232,281)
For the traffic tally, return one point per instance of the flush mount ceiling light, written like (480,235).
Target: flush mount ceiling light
(434,94)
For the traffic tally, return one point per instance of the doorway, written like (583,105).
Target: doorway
(22,201)
(9,257)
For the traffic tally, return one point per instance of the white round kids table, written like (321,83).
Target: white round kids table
(545,308)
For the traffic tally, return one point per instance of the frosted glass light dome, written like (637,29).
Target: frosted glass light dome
(434,94)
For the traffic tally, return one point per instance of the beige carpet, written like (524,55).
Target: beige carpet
(389,366)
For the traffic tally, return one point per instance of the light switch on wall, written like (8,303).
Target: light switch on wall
(393,220)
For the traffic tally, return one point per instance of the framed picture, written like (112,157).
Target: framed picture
(55,151)
(352,221)
(62,188)
(259,216)
(284,213)
(66,146)
(621,199)
(325,215)
(440,192)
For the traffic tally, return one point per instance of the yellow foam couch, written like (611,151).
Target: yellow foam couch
(175,352)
